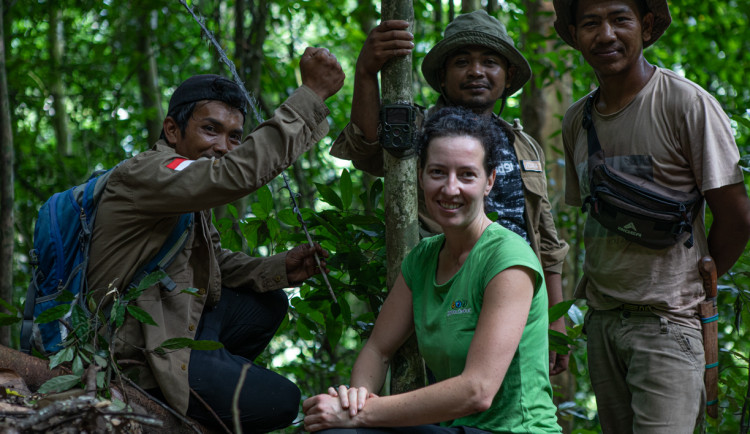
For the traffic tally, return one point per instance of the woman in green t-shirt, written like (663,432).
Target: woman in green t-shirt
(472,296)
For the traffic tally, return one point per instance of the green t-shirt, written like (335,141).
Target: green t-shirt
(445,317)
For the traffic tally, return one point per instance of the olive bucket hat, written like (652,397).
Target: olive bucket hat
(475,28)
(566,17)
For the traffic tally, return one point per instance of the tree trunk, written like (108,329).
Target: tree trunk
(542,107)
(57,87)
(6,188)
(35,372)
(148,75)
(469,6)
(402,227)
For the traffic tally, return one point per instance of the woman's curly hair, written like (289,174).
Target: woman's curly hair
(458,121)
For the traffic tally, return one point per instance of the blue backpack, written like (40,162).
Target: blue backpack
(62,238)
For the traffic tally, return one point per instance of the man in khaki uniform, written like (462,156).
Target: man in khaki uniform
(645,350)
(475,65)
(199,163)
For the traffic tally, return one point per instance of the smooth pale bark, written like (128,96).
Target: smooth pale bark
(542,106)
(469,6)
(148,74)
(57,87)
(6,188)
(402,227)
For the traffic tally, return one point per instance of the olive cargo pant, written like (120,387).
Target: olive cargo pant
(647,373)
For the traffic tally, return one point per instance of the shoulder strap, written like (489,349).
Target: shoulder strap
(588,124)
(168,252)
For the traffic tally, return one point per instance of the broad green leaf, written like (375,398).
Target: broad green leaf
(9,307)
(288,217)
(334,329)
(100,379)
(376,190)
(59,384)
(264,206)
(80,321)
(179,343)
(77,367)
(191,291)
(575,315)
(329,196)
(65,297)
(6,320)
(151,280)
(232,210)
(62,356)
(52,314)
(559,342)
(118,314)
(100,360)
(558,310)
(345,185)
(206,345)
(141,315)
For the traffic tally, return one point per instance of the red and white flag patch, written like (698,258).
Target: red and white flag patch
(179,163)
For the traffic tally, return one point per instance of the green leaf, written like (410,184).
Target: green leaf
(52,314)
(179,343)
(118,314)
(376,190)
(141,315)
(345,185)
(9,307)
(329,196)
(65,297)
(6,320)
(557,311)
(100,377)
(232,210)
(575,315)
(151,280)
(100,360)
(62,356)
(78,365)
(191,291)
(59,384)
(206,345)
(80,321)
(263,207)
(559,342)
(288,217)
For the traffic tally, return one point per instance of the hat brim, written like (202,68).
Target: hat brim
(434,61)
(660,9)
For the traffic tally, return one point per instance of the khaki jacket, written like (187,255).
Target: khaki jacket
(551,251)
(142,202)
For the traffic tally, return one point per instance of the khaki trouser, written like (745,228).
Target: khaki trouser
(647,373)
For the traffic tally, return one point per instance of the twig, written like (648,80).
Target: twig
(236,399)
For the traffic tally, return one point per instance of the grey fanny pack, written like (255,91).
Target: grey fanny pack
(638,210)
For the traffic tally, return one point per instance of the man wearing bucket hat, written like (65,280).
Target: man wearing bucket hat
(645,351)
(474,65)
(200,162)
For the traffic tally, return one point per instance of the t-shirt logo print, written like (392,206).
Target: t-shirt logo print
(630,229)
(458,307)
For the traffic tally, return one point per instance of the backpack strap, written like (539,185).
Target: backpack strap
(28,310)
(588,124)
(168,252)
